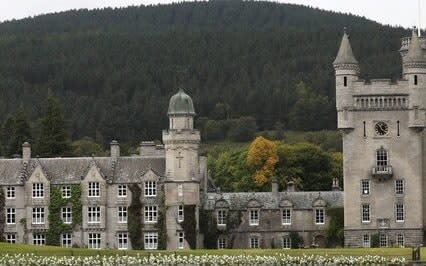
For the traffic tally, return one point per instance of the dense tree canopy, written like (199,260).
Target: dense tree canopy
(114,70)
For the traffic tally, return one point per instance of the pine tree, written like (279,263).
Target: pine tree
(54,140)
(22,129)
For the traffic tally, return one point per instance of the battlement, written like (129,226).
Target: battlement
(405,42)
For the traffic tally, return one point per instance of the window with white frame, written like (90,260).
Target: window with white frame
(382,157)
(122,214)
(180,190)
(181,240)
(366,241)
(123,240)
(94,241)
(254,242)
(399,212)
(66,192)
(38,190)
(94,214)
(94,189)
(221,243)
(122,191)
(10,216)
(150,188)
(66,240)
(365,187)
(286,242)
(39,239)
(66,213)
(399,186)
(286,216)
(383,240)
(11,238)
(181,213)
(400,240)
(319,216)
(10,192)
(253,217)
(365,213)
(150,240)
(38,215)
(150,214)
(221,217)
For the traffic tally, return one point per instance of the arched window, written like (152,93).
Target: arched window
(382,157)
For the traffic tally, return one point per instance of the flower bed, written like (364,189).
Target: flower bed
(173,259)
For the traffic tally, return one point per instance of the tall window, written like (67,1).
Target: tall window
(221,217)
(151,240)
(10,192)
(39,239)
(345,81)
(66,213)
(66,192)
(319,216)
(10,216)
(254,217)
(66,240)
(365,187)
(181,240)
(221,243)
(365,213)
(150,188)
(38,190)
(286,216)
(181,213)
(254,242)
(122,214)
(366,241)
(180,190)
(123,241)
(400,240)
(382,157)
(38,215)
(415,79)
(11,238)
(383,240)
(399,186)
(94,215)
(94,189)
(122,191)
(150,214)
(399,212)
(94,241)
(286,242)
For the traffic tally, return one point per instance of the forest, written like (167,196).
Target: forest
(249,66)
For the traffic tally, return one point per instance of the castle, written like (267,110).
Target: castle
(163,197)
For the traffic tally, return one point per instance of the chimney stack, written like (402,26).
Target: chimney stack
(26,152)
(335,186)
(115,149)
(291,186)
(274,187)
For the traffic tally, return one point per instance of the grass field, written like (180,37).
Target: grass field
(6,248)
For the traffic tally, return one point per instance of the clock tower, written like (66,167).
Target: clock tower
(382,124)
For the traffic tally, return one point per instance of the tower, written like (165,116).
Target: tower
(182,185)
(383,145)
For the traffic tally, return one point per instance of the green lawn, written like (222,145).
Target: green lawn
(58,251)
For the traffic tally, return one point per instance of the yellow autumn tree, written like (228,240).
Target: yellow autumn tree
(262,157)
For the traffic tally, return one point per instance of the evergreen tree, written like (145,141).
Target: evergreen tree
(22,129)
(8,131)
(54,140)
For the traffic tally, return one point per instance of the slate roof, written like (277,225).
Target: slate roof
(415,52)
(300,200)
(181,104)
(345,54)
(72,170)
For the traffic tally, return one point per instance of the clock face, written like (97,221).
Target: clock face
(381,128)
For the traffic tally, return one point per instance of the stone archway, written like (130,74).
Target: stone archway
(320,241)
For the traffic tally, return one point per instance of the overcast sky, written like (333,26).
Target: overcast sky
(394,12)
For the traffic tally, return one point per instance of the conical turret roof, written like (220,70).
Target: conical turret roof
(345,54)
(415,52)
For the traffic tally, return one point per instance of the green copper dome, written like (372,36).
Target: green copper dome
(181,104)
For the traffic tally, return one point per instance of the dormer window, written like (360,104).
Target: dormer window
(253,217)
(38,190)
(94,189)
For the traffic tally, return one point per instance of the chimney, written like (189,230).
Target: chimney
(335,186)
(115,149)
(290,186)
(274,187)
(26,152)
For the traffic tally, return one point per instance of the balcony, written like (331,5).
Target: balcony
(382,172)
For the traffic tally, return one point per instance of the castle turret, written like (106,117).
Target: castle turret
(182,185)
(347,71)
(414,65)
